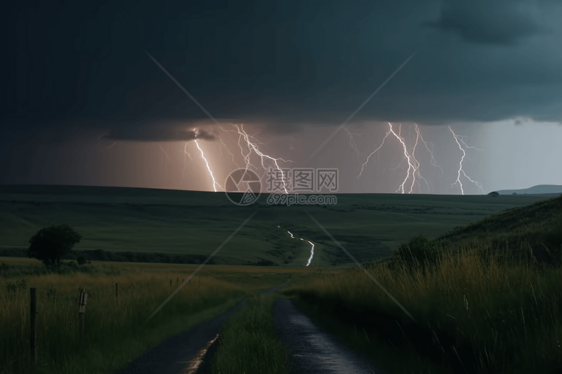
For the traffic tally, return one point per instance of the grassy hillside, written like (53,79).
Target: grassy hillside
(196,223)
(534,230)
(471,313)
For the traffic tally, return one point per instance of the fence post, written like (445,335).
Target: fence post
(82,310)
(116,289)
(33,315)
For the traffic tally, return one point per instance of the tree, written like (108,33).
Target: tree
(53,242)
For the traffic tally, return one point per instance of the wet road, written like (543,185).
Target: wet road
(313,350)
(183,353)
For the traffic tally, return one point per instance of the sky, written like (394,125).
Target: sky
(136,93)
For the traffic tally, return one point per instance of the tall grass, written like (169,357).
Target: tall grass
(474,313)
(114,328)
(247,343)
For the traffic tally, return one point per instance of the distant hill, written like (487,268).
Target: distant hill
(535,190)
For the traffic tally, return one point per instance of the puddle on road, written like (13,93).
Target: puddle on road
(195,363)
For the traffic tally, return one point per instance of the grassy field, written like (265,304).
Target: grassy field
(479,309)
(115,328)
(186,222)
(480,313)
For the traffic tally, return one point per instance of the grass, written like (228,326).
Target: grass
(461,305)
(193,224)
(475,313)
(247,342)
(115,329)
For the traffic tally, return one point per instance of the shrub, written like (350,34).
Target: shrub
(419,251)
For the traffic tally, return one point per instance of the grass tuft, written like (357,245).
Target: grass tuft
(247,343)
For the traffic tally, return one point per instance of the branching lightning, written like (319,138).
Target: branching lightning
(413,174)
(253,147)
(185,153)
(413,171)
(246,137)
(432,160)
(411,165)
(372,153)
(215,184)
(461,170)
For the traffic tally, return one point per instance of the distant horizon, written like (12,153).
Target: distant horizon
(300,193)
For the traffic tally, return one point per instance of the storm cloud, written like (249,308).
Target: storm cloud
(158,134)
(76,72)
(492,22)
(282,65)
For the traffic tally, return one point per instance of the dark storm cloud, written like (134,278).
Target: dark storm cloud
(155,134)
(282,65)
(485,21)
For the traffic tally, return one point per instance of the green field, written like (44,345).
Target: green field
(484,312)
(196,223)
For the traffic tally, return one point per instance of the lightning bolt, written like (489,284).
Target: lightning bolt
(185,153)
(432,161)
(372,153)
(417,163)
(215,184)
(411,165)
(253,147)
(461,170)
(413,171)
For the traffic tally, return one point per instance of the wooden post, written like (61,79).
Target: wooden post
(82,310)
(116,289)
(177,281)
(33,315)
(170,283)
